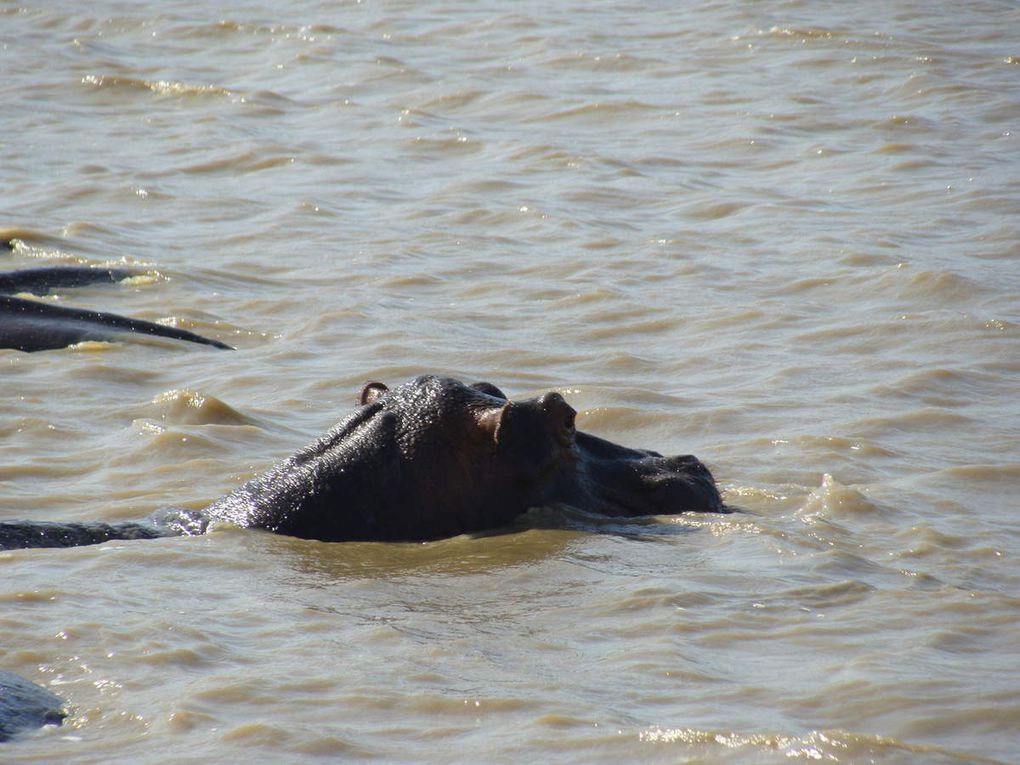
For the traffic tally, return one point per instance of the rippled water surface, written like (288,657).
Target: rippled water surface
(782,236)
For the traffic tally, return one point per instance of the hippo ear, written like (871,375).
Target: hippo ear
(488,389)
(371,392)
(491,420)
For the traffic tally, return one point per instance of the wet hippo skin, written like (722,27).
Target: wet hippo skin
(429,459)
(30,325)
(25,705)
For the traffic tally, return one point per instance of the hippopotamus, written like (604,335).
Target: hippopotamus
(30,325)
(25,705)
(429,459)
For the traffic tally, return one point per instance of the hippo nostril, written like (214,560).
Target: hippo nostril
(567,429)
(552,400)
(560,416)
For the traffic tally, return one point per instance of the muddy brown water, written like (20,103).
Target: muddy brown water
(781,236)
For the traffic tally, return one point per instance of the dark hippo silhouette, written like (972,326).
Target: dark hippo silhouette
(430,459)
(29,325)
(25,705)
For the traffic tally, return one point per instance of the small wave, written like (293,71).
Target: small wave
(802,34)
(159,87)
(830,595)
(597,112)
(617,62)
(937,286)
(906,123)
(30,243)
(894,148)
(230,27)
(635,328)
(928,419)
(452,102)
(715,210)
(245,162)
(1002,325)
(19,239)
(182,406)
(939,386)
(91,346)
(187,658)
(925,540)
(173,444)
(834,500)
(547,156)
(981,473)
(804,285)
(828,746)
(836,445)
(446,145)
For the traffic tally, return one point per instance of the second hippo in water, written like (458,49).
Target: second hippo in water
(430,459)
(30,325)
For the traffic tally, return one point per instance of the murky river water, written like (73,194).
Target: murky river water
(783,236)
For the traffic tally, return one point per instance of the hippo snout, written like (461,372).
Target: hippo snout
(682,484)
(633,482)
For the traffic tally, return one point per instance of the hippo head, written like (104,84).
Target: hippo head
(435,458)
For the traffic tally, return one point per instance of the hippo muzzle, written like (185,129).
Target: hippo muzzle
(599,476)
